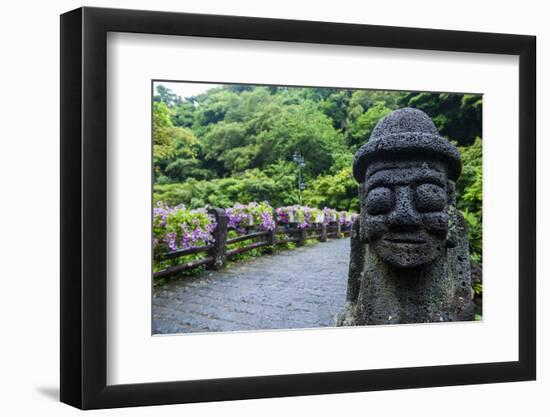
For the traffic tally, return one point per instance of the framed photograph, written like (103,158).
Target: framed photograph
(257,208)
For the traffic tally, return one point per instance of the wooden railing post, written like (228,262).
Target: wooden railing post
(219,247)
(338,230)
(301,235)
(346,230)
(271,237)
(323,237)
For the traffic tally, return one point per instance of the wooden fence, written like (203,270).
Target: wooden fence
(217,253)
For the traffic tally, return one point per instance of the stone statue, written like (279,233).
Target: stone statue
(409,259)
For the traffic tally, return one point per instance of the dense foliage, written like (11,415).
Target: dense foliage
(239,143)
(470,191)
(253,214)
(181,228)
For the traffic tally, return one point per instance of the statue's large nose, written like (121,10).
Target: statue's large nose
(404,216)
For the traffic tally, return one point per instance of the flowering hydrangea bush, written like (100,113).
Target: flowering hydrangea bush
(290,214)
(305,216)
(331,215)
(252,214)
(313,215)
(181,228)
(346,218)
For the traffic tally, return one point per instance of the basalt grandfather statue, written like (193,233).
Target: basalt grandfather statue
(409,258)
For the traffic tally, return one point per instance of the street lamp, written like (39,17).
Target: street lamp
(300,161)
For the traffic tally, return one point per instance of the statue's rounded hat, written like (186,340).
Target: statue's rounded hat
(406,132)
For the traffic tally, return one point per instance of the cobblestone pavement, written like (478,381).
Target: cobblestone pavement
(302,288)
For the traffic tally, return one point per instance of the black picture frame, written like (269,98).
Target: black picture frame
(84,207)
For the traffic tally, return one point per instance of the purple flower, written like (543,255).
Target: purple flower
(170,239)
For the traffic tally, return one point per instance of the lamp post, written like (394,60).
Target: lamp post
(300,161)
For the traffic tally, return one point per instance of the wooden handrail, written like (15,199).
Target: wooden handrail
(182,267)
(246,248)
(182,252)
(246,237)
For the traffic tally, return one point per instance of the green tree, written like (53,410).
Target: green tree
(361,129)
(456,116)
(252,185)
(225,149)
(166,95)
(338,191)
(162,140)
(174,148)
(365,99)
(183,115)
(302,129)
(470,196)
(336,107)
(212,107)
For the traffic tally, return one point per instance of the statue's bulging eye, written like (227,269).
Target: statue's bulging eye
(430,197)
(380,200)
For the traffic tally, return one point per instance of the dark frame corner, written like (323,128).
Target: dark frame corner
(83,207)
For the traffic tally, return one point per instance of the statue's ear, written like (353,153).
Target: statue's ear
(452,233)
(360,227)
(362,230)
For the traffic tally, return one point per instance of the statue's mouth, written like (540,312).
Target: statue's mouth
(406,240)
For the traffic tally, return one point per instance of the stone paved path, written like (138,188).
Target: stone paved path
(302,288)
